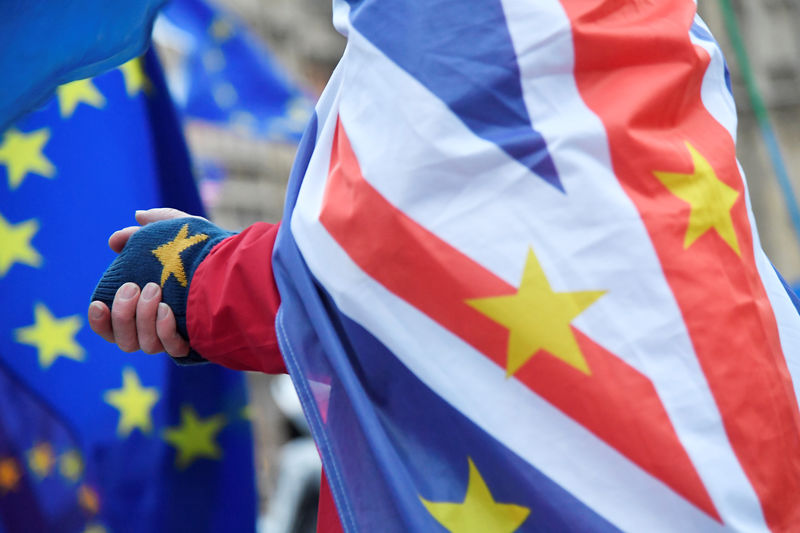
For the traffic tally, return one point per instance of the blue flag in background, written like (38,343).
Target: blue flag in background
(227,76)
(92,439)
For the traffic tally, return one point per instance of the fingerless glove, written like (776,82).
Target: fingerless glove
(168,253)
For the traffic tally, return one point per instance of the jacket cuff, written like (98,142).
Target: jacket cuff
(168,253)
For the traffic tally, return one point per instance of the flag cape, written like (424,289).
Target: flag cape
(522,288)
(92,439)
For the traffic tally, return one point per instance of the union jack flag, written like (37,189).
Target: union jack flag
(522,285)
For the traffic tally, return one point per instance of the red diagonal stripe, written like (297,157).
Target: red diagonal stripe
(637,69)
(616,403)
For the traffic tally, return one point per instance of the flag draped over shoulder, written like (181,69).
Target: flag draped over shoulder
(522,286)
(92,439)
(226,76)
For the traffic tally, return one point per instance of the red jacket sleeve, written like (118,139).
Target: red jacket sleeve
(230,317)
(232,302)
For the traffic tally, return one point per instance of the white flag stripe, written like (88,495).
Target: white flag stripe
(786,315)
(716,97)
(435,176)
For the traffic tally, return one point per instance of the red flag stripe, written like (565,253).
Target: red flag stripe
(616,403)
(637,69)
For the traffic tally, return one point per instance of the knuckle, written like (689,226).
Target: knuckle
(128,348)
(122,313)
(179,351)
(151,349)
(177,346)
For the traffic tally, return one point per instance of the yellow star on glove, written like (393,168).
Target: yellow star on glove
(170,254)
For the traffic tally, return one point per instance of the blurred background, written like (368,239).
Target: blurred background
(243,172)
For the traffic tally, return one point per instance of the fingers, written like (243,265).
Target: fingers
(119,238)
(146,310)
(167,330)
(100,320)
(123,317)
(160,213)
(138,322)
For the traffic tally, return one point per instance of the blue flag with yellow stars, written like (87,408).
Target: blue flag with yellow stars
(226,76)
(92,439)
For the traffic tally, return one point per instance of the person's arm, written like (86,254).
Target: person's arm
(226,309)
(233,300)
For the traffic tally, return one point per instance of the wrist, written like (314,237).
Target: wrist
(167,253)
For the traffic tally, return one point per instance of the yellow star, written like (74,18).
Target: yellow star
(88,500)
(15,245)
(76,92)
(479,512)
(71,465)
(134,77)
(194,438)
(538,318)
(52,337)
(21,153)
(710,200)
(9,475)
(221,30)
(95,528)
(134,403)
(170,254)
(41,459)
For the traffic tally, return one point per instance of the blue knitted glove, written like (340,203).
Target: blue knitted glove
(166,252)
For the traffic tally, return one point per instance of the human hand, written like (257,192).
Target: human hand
(138,320)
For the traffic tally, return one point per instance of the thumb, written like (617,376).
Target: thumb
(119,238)
(159,213)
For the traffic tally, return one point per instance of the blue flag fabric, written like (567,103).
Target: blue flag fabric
(227,75)
(98,440)
(46,43)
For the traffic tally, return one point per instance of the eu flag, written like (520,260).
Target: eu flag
(92,439)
